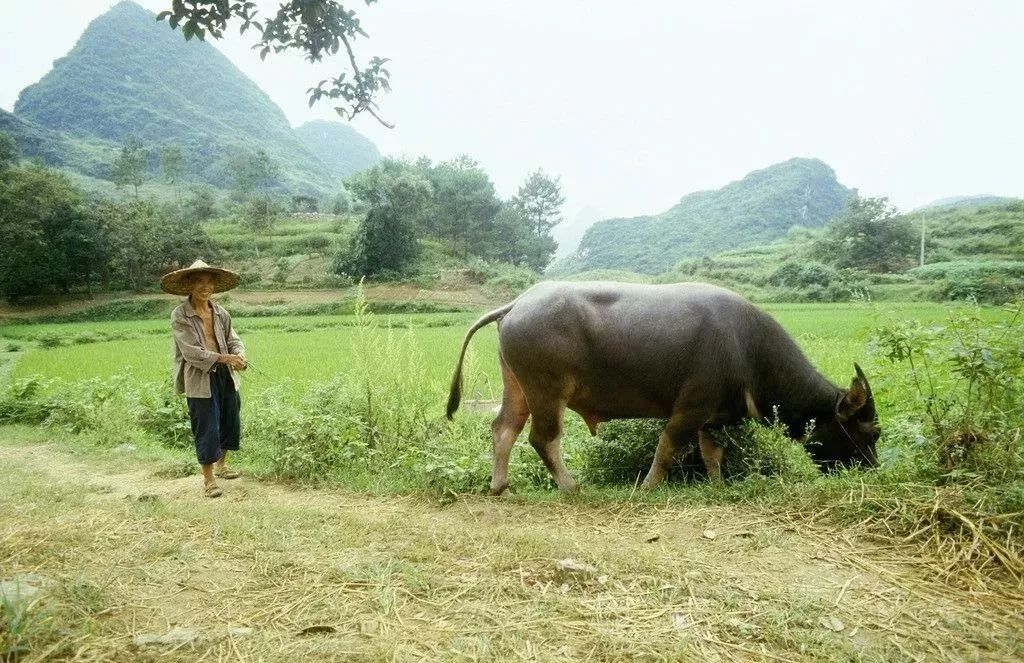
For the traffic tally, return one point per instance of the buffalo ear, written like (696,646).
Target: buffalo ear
(860,374)
(854,399)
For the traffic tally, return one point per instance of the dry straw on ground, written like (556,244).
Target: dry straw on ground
(329,575)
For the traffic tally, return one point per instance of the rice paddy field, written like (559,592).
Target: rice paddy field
(359,530)
(307,350)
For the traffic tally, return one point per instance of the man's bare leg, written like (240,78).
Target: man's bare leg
(209,483)
(221,469)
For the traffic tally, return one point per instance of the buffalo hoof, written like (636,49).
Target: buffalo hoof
(649,486)
(498,491)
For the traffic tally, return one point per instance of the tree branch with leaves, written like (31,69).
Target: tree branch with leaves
(316,28)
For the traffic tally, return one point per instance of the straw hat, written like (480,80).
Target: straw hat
(176,283)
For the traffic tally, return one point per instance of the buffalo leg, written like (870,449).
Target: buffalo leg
(711,453)
(545,436)
(506,427)
(669,441)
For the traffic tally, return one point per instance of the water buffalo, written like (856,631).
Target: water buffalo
(700,356)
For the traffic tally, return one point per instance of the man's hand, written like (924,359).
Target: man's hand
(236,362)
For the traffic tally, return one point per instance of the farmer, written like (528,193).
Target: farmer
(207,357)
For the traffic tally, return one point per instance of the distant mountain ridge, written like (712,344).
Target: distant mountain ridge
(980,200)
(338,146)
(755,210)
(131,76)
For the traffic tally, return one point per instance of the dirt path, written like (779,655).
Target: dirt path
(124,550)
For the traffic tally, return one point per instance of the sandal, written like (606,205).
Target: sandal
(227,474)
(212,490)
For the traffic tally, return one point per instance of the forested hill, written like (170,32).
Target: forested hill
(132,76)
(755,210)
(340,147)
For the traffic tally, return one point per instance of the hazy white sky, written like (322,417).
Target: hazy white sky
(634,104)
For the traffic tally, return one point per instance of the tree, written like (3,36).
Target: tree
(871,235)
(50,242)
(384,244)
(173,165)
(130,165)
(464,205)
(392,183)
(341,203)
(259,216)
(305,203)
(9,152)
(316,28)
(144,240)
(253,172)
(202,204)
(540,200)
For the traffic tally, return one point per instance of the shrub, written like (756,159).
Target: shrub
(795,274)
(21,404)
(624,450)
(969,377)
(165,416)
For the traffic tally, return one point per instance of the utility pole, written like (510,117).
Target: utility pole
(923,220)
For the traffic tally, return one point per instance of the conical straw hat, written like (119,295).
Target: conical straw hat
(177,283)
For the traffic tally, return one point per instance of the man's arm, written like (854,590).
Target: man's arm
(198,355)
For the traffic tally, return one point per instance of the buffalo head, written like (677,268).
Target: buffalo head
(848,437)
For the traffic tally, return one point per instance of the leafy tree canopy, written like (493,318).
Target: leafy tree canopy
(870,235)
(9,152)
(129,168)
(540,200)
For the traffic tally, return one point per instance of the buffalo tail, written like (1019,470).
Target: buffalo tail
(455,393)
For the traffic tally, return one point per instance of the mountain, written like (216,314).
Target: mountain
(338,146)
(130,75)
(972,202)
(755,210)
(57,149)
(568,233)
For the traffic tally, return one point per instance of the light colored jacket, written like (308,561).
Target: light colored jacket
(192,359)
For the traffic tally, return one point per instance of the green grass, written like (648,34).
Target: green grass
(303,351)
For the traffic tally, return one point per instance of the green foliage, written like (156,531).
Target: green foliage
(311,441)
(51,244)
(993,281)
(803,275)
(172,163)
(761,207)
(86,155)
(462,205)
(260,214)
(393,183)
(144,240)
(385,244)
(624,450)
(968,375)
(978,231)
(201,204)
(539,200)
(315,28)
(868,235)
(253,172)
(9,152)
(454,204)
(129,169)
